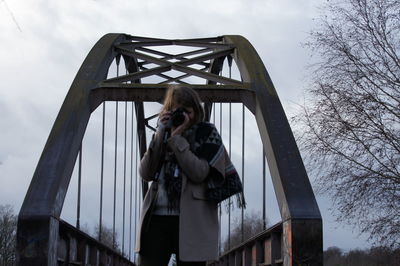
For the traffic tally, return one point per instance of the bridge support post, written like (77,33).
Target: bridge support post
(302,242)
(38,239)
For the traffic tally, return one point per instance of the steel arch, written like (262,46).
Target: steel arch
(38,222)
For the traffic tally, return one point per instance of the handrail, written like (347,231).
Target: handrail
(80,248)
(253,250)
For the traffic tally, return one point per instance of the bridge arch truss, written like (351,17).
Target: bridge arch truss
(296,241)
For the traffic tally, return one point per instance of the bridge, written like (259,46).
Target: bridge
(132,72)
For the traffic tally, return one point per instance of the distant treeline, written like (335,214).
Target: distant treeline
(377,256)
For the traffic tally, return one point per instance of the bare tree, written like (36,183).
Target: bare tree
(8,229)
(349,127)
(333,256)
(106,237)
(252,225)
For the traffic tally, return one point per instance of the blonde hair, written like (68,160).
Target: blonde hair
(185,97)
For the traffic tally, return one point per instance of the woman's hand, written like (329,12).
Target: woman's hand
(179,130)
(164,118)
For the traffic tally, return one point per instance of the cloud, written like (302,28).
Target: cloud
(38,65)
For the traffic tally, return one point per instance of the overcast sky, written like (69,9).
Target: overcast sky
(43,44)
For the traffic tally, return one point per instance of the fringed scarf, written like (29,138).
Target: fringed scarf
(223,180)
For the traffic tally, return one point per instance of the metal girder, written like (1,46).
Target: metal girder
(215,68)
(145,57)
(295,195)
(205,75)
(139,74)
(38,218)
(198,59)
(155,93)
(182,55)
(147,43)
(165,65)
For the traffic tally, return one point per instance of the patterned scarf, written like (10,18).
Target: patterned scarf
(206,143)
(173,180)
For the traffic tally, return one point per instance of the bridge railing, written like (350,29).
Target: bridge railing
(265,248)
(78,248)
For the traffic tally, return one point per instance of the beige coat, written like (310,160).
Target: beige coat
(198,219)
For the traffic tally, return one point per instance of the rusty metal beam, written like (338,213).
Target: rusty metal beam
(302,242)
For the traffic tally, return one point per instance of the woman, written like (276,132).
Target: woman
(183,160)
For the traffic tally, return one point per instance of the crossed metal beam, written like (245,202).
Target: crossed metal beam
(164,65)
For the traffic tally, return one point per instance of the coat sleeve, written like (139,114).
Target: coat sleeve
(149,164)
(196,169)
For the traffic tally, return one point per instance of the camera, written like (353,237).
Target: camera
(177,117)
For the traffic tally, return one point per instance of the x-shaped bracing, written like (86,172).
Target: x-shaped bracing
(211,51)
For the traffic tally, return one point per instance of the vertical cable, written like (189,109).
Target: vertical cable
(140,188)
(115,163)
(264,193)
(78,211)
(220,205)
(137,206)
(124,193)
(131,188)
(102,173)
(230,156)
(243,137)
(215,105)
(115,170)
(220,119)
